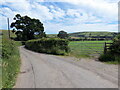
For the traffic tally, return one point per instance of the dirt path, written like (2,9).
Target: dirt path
(49,71)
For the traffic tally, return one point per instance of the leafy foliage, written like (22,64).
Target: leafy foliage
(48,45)
(115,47)
(62,34)
(114,53)
(107,57)
(28,27)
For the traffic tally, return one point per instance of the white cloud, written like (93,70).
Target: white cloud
(8,13)
(101,8)
(55,28)
(97,12)
(73,13)
(21,5)
(57,12)
(41,12)
(24,7)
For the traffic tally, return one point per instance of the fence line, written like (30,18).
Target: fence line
(107,47)
(91,48)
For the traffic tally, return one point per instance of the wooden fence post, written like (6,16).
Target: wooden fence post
(105,48)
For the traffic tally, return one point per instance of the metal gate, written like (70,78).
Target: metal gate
(90,48)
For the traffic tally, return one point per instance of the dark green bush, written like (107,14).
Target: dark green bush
(107,57)
(114,51)
(115,47)
(117,58)
(23,42)
(48,45)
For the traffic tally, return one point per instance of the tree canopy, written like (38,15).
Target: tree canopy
(27,27)
(62,34)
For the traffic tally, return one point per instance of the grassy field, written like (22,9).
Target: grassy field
(86,48)
(10,60)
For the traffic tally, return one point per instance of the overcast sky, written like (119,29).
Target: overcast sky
(68,15)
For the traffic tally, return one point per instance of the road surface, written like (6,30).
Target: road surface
(49,71)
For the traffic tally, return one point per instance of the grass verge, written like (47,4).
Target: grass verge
(10,61)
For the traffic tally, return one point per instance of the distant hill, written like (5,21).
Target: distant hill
(93,35)
(79,34)
(89,35)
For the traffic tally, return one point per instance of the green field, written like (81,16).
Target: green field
(86,48)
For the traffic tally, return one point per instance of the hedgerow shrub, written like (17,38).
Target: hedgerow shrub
(115,47)
(114,51)
(48,45)
(107,57)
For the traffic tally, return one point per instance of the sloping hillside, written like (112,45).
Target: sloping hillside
(89,35)
(93,35)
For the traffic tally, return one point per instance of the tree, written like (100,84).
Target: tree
(62,34)
(13,30)
(27,26)
(19,35)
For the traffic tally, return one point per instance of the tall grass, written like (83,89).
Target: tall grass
(10,61)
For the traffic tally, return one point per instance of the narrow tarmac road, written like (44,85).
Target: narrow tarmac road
(49,71)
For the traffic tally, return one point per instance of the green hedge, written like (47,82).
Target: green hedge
(48,45)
